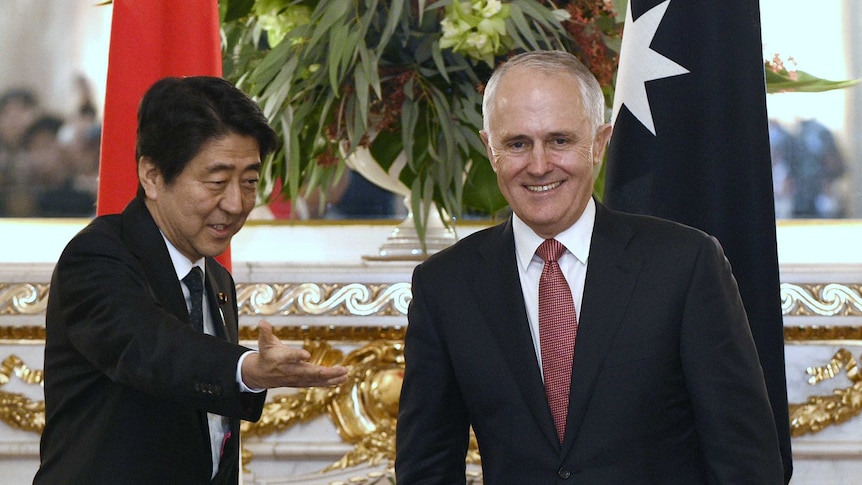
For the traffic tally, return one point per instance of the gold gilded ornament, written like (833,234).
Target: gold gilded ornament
(23,298)
(819,412)
(17,410)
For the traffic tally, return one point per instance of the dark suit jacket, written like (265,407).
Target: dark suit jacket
(666,384)
(128,380)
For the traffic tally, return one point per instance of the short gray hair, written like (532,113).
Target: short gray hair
(547,61)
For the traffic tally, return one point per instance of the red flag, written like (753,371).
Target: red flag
(150,39)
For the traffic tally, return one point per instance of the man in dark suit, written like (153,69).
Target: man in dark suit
(624,358)
(144,380)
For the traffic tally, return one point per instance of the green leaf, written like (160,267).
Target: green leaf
(396,7)
(804,83)
(481,191)
(386,148)
(522,27)
(326,15)
(339,55)
(360,83)
(235,9)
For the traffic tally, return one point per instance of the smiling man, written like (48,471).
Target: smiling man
(582,345)
(144,380)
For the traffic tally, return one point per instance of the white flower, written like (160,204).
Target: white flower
(489,9)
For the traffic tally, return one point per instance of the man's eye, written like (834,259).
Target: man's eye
(517,145)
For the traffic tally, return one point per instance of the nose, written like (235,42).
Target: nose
(540,161)
(231,200)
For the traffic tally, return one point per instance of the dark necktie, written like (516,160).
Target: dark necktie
(195,283)
(558,327)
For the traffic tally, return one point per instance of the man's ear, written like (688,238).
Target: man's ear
(150,177)
(485,139)
(600,142)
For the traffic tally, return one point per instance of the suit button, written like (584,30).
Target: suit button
(563,473)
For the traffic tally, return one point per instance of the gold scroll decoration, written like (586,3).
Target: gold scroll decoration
(830,299)
(364,408)
(352,299)
(17,410)
(23,298)
(364,299)
(819,412)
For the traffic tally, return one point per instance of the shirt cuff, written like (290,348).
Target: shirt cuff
(242,386)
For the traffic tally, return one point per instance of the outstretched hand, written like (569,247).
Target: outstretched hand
(277,365)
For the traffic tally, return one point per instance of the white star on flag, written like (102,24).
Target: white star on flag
(640,64)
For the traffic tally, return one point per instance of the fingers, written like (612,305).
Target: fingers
(267,340)
(265,337)
(311,375)
(289,367)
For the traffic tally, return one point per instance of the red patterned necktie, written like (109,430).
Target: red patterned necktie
(558,326)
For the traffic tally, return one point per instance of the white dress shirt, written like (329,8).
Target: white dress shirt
(573,264)
(219,426)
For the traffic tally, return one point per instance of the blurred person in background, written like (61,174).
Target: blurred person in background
(52,171)
(19,108)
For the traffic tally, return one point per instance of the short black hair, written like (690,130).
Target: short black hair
(177,116)
(21,95)
(44,124)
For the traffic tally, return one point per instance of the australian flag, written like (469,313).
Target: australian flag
(691,144)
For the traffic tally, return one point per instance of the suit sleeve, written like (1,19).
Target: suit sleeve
(433,427)
(733,418)
(107,309)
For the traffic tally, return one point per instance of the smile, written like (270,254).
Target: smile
(221,230)
(543,188)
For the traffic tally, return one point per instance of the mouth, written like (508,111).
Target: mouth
(222,230)
(543,188)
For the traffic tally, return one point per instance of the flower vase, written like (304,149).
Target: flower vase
(403,244)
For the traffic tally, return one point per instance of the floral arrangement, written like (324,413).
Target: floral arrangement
(407,76)
(400,76)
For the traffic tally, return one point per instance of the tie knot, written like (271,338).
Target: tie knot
(194,280)
(550,250)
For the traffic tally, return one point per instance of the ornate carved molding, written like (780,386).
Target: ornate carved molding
(264,299)
(17,410)
(819,412)
(392,299)
(23,298)
(341,333)
(365,408)
(820,333)
(328,333)
(376,366)
(352,299)
(818,299)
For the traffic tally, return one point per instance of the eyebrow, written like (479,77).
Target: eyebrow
(226,167)
(555,134)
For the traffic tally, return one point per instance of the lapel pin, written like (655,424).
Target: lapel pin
(222,298)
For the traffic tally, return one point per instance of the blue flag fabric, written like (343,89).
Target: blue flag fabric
(691,144)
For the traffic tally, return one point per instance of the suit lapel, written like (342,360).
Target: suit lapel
(610,279)
(225,325)
(143,238)
(497,287)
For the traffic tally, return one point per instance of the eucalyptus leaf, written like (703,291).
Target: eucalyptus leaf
(803,82)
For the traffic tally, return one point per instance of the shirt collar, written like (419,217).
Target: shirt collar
(182,264)
(576,238)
